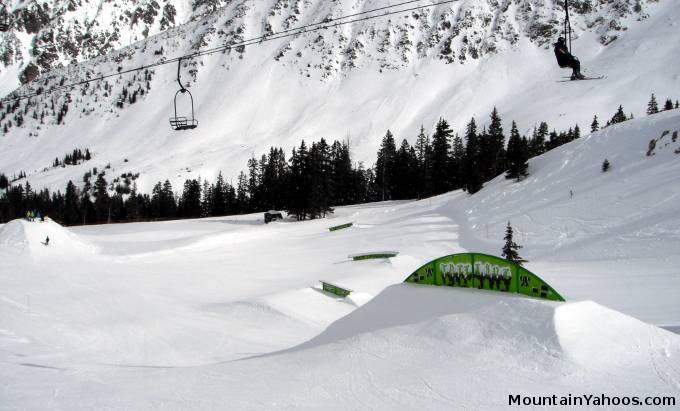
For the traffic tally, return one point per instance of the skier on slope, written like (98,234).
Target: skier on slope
(566,59)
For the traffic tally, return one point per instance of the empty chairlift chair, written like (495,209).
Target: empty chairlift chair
(179,123)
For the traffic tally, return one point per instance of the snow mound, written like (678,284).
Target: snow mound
(424,347)
(28,237)
(571,329)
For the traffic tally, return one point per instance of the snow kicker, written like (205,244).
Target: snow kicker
(484,272)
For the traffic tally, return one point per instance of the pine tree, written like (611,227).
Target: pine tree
(70,216)
(299,183)
(156,193)
(342,174)
(493,156)
(457,159)
(619,117)
(577,132)
(605,165)
(134,204)
(190,201)
(319,190)
(102,199)
(517,155)
(219,197)
(538,144)
(254,178)
(242,193)
(510,249)
(595,125)
(87,209)
(168,202)
(472,174)
(441,146)
(652,106)
(384,166)
(424,156)
(206,199)
(405,172)
(117,211)
(668,105)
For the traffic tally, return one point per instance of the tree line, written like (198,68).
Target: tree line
(312,179)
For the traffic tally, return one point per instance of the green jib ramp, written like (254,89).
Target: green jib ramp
(340,227)
(484,272)
(334,289)
(374,255)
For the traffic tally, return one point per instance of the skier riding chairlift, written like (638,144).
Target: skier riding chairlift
(566,60)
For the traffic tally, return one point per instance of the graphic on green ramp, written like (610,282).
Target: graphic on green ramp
(484,272)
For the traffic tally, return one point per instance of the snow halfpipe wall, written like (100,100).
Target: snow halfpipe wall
(484,272)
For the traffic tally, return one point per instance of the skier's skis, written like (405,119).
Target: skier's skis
(582,79)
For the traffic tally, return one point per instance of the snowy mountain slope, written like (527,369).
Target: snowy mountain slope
(247,102)
(634,202)
(59,32)
(50,34)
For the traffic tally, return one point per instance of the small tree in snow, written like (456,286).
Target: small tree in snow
(668,105)
(619,117)
(595,125)
(517,155)
(605,166)
(652,106)
(510,248)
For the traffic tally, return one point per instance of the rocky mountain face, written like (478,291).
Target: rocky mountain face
(48,34)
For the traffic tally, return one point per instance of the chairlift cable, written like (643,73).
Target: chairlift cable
(567,25)
(322,25)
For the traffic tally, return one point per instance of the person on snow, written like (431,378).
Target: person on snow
(47,241)
(567,60)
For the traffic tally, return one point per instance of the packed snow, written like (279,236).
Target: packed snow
(229,313)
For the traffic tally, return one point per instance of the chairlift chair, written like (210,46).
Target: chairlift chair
(179,123)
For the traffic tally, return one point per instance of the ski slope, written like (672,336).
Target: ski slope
(228,312)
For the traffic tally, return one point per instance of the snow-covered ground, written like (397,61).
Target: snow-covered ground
(227,312)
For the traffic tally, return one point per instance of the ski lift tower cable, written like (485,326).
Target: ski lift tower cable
(567,25)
